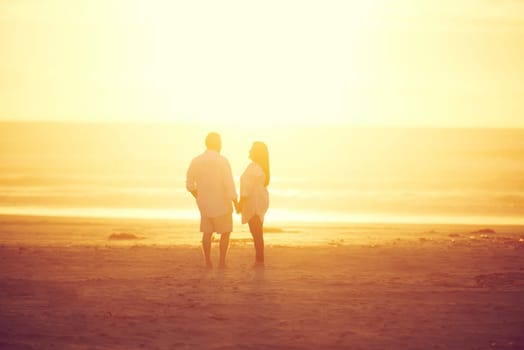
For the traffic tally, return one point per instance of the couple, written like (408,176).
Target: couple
(210,181)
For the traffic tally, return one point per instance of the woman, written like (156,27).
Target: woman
(254,198)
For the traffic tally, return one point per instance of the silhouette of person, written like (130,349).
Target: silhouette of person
(210,181)
(254,197)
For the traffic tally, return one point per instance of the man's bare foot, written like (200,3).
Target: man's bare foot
(258,265)
(209,264)
(222,266)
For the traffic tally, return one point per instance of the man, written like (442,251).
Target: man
(210,181)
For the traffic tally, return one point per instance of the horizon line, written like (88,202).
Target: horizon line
(276,216)
(305,125)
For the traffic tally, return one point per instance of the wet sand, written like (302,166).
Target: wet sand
(454,292)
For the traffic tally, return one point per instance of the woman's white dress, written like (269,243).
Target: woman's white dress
(255,197)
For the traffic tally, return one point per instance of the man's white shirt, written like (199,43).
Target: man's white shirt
(210,175)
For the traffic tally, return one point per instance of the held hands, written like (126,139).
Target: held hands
(238,206)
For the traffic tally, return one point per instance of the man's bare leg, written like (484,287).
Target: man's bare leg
(224,244)
(206,247)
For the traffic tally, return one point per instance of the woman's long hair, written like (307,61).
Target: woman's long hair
(260,155)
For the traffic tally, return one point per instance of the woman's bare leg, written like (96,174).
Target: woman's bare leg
(256,228)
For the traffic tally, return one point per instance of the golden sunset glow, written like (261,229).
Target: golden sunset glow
(136,85)
(380,63)
(276,174)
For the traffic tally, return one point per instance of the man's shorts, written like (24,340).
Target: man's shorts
(219,224)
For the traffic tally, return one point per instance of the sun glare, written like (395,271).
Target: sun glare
(374,63)
(304,77)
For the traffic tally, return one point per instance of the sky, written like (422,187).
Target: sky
(446,63)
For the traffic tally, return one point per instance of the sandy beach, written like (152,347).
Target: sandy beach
(378,146)
(452,291)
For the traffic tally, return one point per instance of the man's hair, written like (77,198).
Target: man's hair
(213,141)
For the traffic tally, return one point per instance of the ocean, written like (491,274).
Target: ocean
(319,174)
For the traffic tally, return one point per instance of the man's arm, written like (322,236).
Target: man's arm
(191,185)
(229,183)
